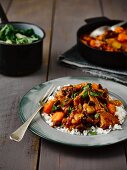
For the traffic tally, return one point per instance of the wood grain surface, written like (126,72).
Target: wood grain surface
(60,20)
(23,155)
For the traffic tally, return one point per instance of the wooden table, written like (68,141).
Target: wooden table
(60,19)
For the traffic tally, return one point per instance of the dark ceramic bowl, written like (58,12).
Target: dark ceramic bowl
(100,57)
(19,60)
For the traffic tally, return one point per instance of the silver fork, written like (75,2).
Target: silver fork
(19,133)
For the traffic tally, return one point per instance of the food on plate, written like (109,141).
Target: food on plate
(85,108)
(11,35)
(113,41)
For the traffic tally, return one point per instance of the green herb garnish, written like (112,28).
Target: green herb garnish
(87,86)
(105,107)
(74,95)
(92,133)
(69,110)
(54,108)
(95,94)
(97,115)
(85,94)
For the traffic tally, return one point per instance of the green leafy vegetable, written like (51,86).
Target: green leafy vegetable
(74,95)
(92,133)
(85,94)
(87,86)
(96,115)
(105,107)
(54,108)
(85,90)
(11,35)
(69,110)
(95,93)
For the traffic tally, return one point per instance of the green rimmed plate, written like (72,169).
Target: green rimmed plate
(30,102)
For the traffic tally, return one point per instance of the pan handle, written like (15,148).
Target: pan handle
(96,19)
(3,15)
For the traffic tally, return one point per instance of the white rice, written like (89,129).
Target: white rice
(47,119)
(121,113)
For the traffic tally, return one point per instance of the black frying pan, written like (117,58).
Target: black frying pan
(19,60)
(99,57)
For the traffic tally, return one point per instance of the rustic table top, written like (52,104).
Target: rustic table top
(60,20)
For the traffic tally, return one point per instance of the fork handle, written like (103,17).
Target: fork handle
(19,133)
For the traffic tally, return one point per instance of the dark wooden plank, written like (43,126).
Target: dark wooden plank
(23,155)
(64,36)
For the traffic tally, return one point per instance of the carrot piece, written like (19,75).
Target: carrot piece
(122,37)
(100,37)
(48,106)
(79,86)
(57,117)
(111,107)
(93,43)
(95,86)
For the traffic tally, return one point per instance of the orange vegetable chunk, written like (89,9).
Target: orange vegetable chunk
(57,117)
(95,86)
(122,37)
(119,29)
(48,106)
(111,107)
(93,43)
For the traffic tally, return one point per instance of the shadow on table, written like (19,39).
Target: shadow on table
(113,150)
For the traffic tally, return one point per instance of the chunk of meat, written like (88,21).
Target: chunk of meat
(111,107)
(77,118)
(116,102)
(88,109)
(97,103)
(107,119)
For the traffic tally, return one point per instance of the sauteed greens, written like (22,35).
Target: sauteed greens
(11,35)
